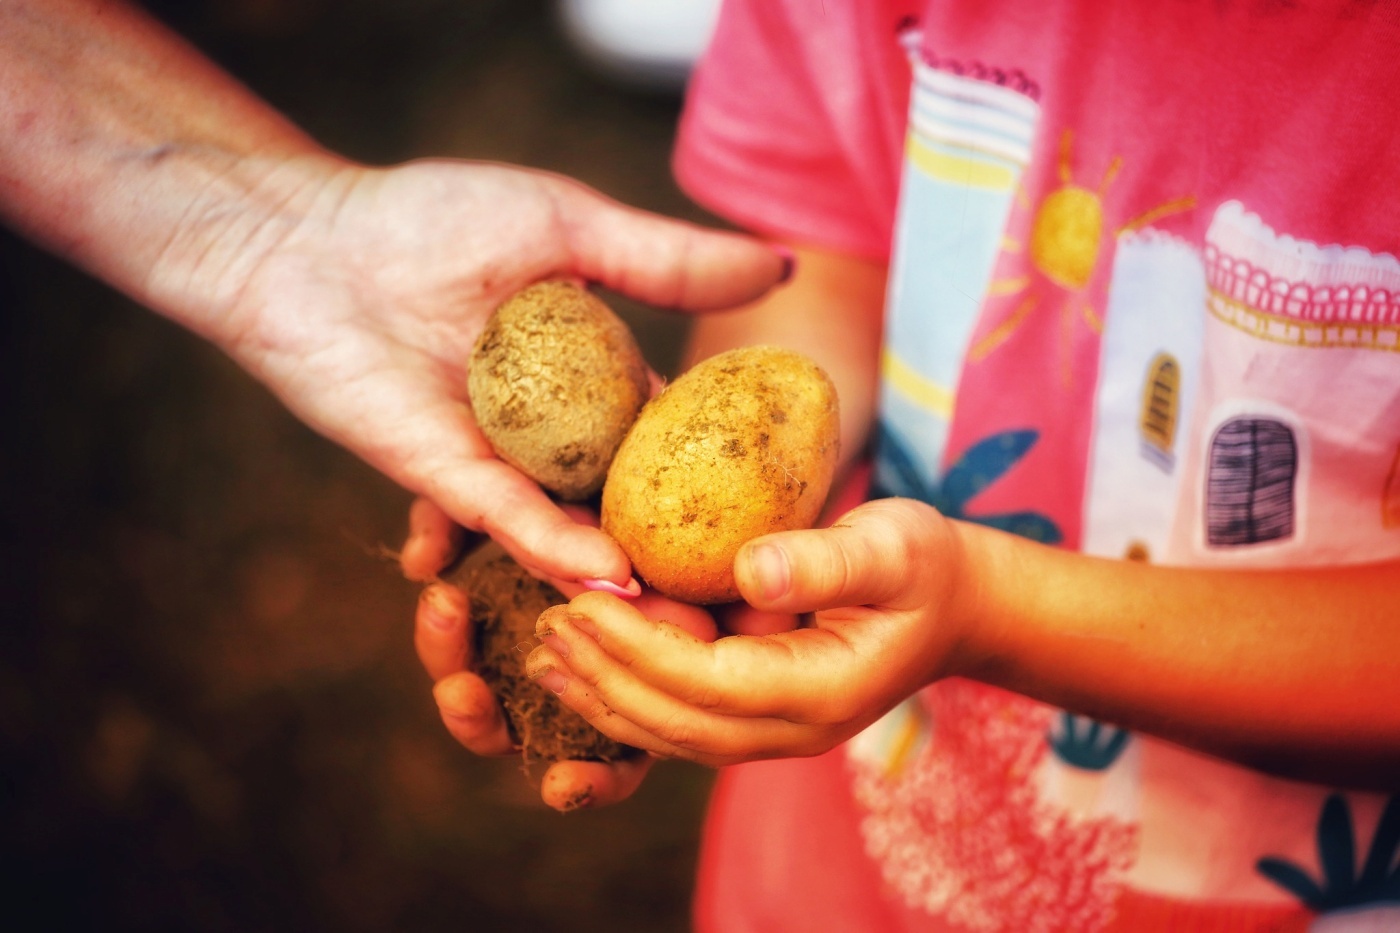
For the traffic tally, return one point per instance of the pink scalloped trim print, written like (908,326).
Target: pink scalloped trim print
(1299,293)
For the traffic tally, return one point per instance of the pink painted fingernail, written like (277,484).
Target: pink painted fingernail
(789,259)
(632,590)
(551,680)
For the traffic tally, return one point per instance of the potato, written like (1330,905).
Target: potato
(555,380)
(743,444)
(505,601)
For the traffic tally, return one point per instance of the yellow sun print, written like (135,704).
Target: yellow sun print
(1066,238)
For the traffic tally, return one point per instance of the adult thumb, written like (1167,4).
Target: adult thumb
(664,262)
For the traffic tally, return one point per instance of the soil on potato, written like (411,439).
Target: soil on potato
(505,604)
(555,381)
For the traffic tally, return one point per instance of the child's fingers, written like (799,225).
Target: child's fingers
(629,709)
(796,676)
(440,630)
(471,714)
(553,674)
(743,619)
(433,541)
(693,619)
(871,557)
(575,785)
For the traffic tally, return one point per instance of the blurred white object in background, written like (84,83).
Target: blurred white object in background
(645,44)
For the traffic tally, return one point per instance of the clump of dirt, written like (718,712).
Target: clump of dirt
(505,603)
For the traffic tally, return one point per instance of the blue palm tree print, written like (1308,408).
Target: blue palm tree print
(1086,743)
(982,464)
(1340,886)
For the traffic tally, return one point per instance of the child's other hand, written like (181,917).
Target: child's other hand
(469,710)
(882,588)
(473,717)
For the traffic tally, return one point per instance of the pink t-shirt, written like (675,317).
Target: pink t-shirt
(1144,302)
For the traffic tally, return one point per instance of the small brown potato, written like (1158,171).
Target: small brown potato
(555,381)
(505,602)
(741,445)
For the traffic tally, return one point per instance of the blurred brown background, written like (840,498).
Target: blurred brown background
(211,717)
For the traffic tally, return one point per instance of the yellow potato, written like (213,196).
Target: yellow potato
(743,444)
(555,380)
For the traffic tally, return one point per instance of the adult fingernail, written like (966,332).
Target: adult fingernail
(460,695)
(439,610)
(789,259)
(769,565)
(632,590)
(462,712)
(551,680)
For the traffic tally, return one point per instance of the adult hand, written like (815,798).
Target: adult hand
(354,293)
(886,620)
(361,317)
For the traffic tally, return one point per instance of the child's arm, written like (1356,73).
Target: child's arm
(1296,672)
(1292,671)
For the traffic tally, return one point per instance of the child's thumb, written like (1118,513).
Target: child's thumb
(870,557)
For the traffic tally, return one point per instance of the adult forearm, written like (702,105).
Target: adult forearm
(126,151)
(1296,672)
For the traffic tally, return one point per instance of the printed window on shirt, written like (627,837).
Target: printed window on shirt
(1161,391)
(1250,483)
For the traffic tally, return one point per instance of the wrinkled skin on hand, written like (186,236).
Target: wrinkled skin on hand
(360,310)
(354,293)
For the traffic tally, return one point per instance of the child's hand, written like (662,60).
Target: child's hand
(469,710)
(882,585)
(474,718)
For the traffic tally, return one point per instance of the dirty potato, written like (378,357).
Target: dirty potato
(743,444)
(505,602)
(555,380)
